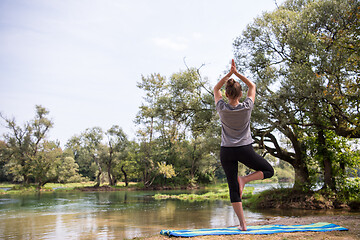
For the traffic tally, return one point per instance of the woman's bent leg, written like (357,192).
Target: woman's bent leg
(251,159)
(258,175)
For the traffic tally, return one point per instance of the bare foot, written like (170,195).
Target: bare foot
(242,228)
(241,185)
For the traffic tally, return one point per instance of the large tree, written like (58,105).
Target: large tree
(304,57)
(176,116)
(87,148)
(116,153)
(25,146)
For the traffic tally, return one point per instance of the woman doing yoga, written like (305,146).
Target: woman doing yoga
(236,140)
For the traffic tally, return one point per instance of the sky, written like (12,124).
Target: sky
(82,59)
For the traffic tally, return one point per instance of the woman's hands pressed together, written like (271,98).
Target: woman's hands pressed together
(252,87)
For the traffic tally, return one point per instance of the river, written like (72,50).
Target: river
(110,215)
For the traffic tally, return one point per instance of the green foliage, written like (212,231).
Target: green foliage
(67,171)
(100,159)
(76,149)
(44,164)
(177,129)
(28,157)
(26,149)
(349,189)
(87,148)
(115,154)
(342,154)
(304,57)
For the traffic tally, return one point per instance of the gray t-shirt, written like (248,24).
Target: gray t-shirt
(235,123)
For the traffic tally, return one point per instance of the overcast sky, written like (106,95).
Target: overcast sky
(81,59)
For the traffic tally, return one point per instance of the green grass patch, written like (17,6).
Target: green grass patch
(221,194)
(64,187)
(49,187)
(7,185)
(54,187)
(22,189)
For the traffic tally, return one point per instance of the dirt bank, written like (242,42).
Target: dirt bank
(352,222)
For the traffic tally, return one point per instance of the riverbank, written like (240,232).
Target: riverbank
(277,198)
(10,188)
(352,222)
(289,198)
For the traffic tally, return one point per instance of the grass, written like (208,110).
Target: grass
(19,189)
(6,185)
(219,194)
(62,187)
(50,187)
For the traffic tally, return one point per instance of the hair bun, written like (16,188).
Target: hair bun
(233,89)
(230,82)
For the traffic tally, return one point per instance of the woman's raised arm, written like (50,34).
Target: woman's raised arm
(252,86)
(218,86)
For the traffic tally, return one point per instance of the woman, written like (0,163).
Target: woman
(236,140)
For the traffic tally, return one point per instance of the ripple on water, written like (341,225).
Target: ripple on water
(8,201)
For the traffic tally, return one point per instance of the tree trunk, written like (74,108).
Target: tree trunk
(328,178)
(194,159)
(301,174)
(125,176)
(297,159)
(111,182)
(99,174)
(111,179)
(26,179)
(324,154)
(97,180)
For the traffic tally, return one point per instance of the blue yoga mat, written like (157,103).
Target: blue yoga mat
(261,229)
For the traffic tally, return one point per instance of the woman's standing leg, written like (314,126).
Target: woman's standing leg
(237,206)
(230,166)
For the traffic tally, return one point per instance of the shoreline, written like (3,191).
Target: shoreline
(276,198)
(351,221)
(343,217)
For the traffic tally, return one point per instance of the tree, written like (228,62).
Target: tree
(67,171)
(96,155)
(128,166)
(87,149)
(25,146)
(44,164)
(154,86)
(116,152)
(176,115)
(304,61)
(3,160)
(81,156)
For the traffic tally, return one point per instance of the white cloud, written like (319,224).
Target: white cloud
(177,45)
(197,35)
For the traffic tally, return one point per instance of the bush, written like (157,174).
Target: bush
(350,189)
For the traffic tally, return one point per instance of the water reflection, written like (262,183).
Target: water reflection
(108,215)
